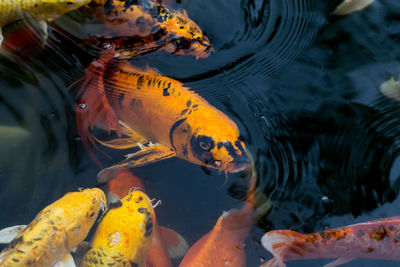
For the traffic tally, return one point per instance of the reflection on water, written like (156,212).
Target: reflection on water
(302,85)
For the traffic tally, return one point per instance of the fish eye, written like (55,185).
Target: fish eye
(182,43)
(204,145)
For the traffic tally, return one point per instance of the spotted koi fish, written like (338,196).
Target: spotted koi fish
(145,25)
(55,231)
(41,10)
(171,119)
(377,239)
(124,234)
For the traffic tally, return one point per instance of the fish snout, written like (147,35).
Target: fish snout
(238,164)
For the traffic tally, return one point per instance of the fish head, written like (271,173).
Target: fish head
(186,37)
(211,143)
(51,9)
(81,211)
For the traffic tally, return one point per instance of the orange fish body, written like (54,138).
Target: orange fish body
(223,245)
(181,123)
(376,239)
(146,25)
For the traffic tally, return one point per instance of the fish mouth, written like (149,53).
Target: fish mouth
(238,165)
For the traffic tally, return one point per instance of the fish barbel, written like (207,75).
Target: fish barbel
(378,239)
(55,231)
(41,10)
(124,234)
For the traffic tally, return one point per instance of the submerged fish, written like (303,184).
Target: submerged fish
(40,10)
(55,231)
(377,239)
(391,89)
(124,234)
(350,6)
(166,244)
(147,25)
(171,119)
(223,245)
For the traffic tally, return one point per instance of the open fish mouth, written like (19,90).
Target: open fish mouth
(238,165)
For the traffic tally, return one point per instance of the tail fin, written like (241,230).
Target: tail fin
(277,242)
(175,243)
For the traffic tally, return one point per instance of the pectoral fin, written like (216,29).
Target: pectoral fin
(68,261)
(9,233)
(338,261)
(143,157)
(132,139)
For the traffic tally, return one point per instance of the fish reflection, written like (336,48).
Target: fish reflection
(377,239)
(146,25)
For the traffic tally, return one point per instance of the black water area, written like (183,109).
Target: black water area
(302,85)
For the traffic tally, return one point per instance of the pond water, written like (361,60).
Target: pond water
(301,84)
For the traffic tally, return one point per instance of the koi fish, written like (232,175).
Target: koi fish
(166,244)
(391,89)
(171,119)
(40,10)
(376,239)
(55,231)
(223,245)
(350,6)
(146,25)
(124,234)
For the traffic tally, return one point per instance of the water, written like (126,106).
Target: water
(302,85)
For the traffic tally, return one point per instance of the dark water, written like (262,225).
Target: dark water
(302,85)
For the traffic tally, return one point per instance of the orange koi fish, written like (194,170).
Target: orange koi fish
(165,243)
(171,119)
(378,239)
(146,25)
(124,234)
(223,245)
(55,231)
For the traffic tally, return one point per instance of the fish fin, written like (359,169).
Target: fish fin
(278,242)
(44,28)
(93,108)
(132,139)
(350,6)
(67,261)
(338,261)
(9,233)
(143,157)
(174,242)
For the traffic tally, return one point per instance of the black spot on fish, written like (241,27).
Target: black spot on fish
(201,147)
(165,90)
(116,204)
(140,81)
(148,227)
(188,103)
(120,99)
(142,210)
(184,111)
(108,6)
(182,43)
(173,128)
(133,264)
(129,3)
(141,24)
(139,199)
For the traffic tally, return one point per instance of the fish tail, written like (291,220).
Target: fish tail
(278,243)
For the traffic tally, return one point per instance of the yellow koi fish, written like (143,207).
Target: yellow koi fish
(41,10)
(124,234)
(147,25)
(55,231)
(173,120)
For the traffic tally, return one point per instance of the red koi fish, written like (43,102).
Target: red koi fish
(223,245)
(378,239)
(166,244)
